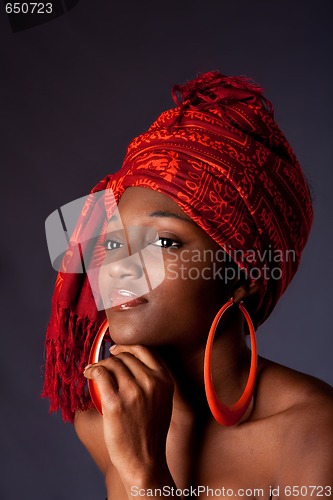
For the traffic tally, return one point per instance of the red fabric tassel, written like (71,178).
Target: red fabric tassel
(73,326)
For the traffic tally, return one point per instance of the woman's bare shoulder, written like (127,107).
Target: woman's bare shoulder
(289,387)
(283,390)
(300,409)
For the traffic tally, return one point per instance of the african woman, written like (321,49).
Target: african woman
(217,184)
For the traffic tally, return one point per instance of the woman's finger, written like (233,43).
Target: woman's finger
(105,381)
(116,368)
(140,352)
(127,372)
(144,377)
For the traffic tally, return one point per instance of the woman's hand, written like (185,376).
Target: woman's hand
(136,394)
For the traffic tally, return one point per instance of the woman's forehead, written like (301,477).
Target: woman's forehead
(146,200)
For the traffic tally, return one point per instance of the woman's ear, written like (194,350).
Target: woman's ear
(246,290)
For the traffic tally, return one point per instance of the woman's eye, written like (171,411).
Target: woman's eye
(166,243)
(112,244)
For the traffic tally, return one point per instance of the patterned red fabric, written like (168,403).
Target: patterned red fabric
(220,155)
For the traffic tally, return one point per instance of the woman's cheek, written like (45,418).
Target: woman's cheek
(172,271)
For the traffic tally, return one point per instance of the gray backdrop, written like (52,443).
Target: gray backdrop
(74,91)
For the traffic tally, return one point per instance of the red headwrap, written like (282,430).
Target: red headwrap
(222,158)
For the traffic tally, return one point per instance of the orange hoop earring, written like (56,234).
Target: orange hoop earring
(229,415)
(93,358)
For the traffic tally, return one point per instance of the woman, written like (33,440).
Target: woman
(216,182)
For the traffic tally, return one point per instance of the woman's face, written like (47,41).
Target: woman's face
(181,308)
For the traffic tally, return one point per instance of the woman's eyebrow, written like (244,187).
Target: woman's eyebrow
(161,213)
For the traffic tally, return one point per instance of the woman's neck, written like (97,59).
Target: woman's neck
(230,367)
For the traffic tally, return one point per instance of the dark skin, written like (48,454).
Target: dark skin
(157,429)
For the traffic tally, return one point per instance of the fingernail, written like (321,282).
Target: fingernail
(88,366)
(113,347)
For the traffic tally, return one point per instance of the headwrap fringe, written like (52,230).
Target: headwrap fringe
(66,357)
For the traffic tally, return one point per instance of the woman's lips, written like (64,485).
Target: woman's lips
(121,300)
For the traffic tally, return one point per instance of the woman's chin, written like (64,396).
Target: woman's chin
(127,333)
(128,327)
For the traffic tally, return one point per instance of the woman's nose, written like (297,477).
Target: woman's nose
(129,267)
